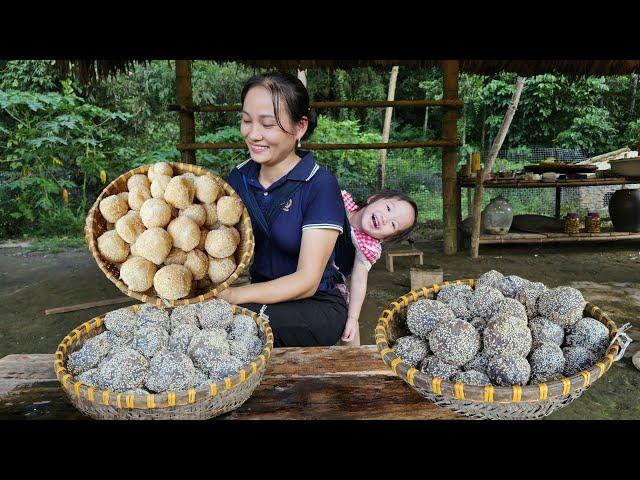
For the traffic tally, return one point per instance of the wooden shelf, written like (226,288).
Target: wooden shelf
(582,182)
(521,237)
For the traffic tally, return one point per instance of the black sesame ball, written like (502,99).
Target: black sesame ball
(207,346)
(185,315)
(241,325)
(528,296)
(152,316)
(423,315)
(125,370)
(450,292)
(492,278)
(479,324)
(181,336)
(170,371)
(435,367)
(411,349)
(536,378)
(215,313)
(89,356)
(224,366)
(511,284)
(590,334)
(577,359)
(472,377)
(546,360)
(510,308)
(455,341)
(150,340)
(479,362)
(562,305)
(544,330)
(507,336)
(121,322)
(484,301)
(508,370)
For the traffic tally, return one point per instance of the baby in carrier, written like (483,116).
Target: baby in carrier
(386,216)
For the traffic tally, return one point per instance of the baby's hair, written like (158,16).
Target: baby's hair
(403,235)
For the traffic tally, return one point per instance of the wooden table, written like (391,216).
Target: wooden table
(319,383)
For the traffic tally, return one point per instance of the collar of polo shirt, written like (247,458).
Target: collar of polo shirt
(305,169)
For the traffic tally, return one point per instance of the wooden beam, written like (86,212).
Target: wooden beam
(450,70)
(331,104)
(326,146)
(184,96)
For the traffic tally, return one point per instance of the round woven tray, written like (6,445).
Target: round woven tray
(96,225)
(489,402)
(199,403)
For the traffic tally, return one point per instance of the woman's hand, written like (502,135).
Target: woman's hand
(229,295)
(350,329)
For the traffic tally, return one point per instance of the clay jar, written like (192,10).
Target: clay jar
(497,216)
(624,210)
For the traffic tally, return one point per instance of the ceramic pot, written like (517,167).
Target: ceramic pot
(624,210)
(497,216)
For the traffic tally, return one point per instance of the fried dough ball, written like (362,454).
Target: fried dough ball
(179,192)
(137,273)
(113,248)
(222,242)
(155,212)
(229,210)
(113,207)
(176,256)
(137,196)
(159,185)
(185,233)
(198,263)
(195,212)
(130,226)
(221,268)
(173,282)
(138,180)
(207,189)
(154,244)
(159,168)
(212,215)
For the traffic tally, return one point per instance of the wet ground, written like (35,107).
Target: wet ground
(608,274)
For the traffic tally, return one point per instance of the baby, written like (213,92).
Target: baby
(388,215)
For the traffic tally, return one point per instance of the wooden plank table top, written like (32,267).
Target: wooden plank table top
(315,383)
(521,183)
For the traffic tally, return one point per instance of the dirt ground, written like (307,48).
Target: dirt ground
(608,274)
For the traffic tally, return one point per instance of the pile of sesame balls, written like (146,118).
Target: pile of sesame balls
(508,331)
(156,350)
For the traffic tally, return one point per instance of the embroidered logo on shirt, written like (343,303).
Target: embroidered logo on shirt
(287,206)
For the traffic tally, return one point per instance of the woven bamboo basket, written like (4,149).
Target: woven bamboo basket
(490,402)
(96,225)
(194,404)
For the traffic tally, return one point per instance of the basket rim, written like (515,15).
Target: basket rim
(489,393)
(246,240)
(156,401)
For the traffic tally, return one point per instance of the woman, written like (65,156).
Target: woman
(297,213)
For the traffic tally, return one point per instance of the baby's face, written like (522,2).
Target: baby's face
(386,217)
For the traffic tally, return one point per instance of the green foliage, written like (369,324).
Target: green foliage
(591,130)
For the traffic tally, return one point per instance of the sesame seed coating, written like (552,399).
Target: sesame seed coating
(562,305)
(225,366)
(88,357)
(508,370)
(528,296)
(181,337)
(450,292)
(215,313)
(207,347)
(479,324)
(546,359)
(151,316)
(492,278)
(590,334)
(125,370)
(242,325)
(479,362)
(121,322)
(435,367)
(170,371)
(185,315)
(423,315)
(484,301)
(507,336)
(509,285)
(253,343)
(577,359)
(150,340)
(88,377)
(455,341)
(472,377)
(200,378)
(411,349)
(510,307)
(544,330)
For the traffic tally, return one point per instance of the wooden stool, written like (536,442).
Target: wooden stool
(409,252)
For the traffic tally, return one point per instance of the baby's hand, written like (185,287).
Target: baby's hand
(350,329)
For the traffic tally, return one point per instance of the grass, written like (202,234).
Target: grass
(54,244)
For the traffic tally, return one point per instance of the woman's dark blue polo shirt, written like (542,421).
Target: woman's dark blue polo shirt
(317,203)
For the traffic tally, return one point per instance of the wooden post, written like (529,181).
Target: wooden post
(484,173)
(558,201)
(450,69)
(387,127)
(184,96)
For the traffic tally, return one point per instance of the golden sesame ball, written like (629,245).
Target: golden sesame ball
(137,196)
(159,185)
(198,263)
(137,273)
(222,241)
(112,208)
(212,215)
(113,248)
(130,226)
(176,256)
(184,232)
(195,212)
(221,268)
(138,180)
(173,282)
(191,178)
(124,196)
(179,192)
(155,212)
(203,239)
(160,168)
(154,244)
(134,252)
(229,210)
(207,189)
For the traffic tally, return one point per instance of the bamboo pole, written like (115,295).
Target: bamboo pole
(184,96)
(450,70)
(327,146)
(482,175)
(302,76)
(386,128)
(331,104)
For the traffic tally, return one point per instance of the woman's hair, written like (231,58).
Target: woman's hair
(403,235)
(288,88)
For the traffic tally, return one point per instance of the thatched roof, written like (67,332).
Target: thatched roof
(91,70)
